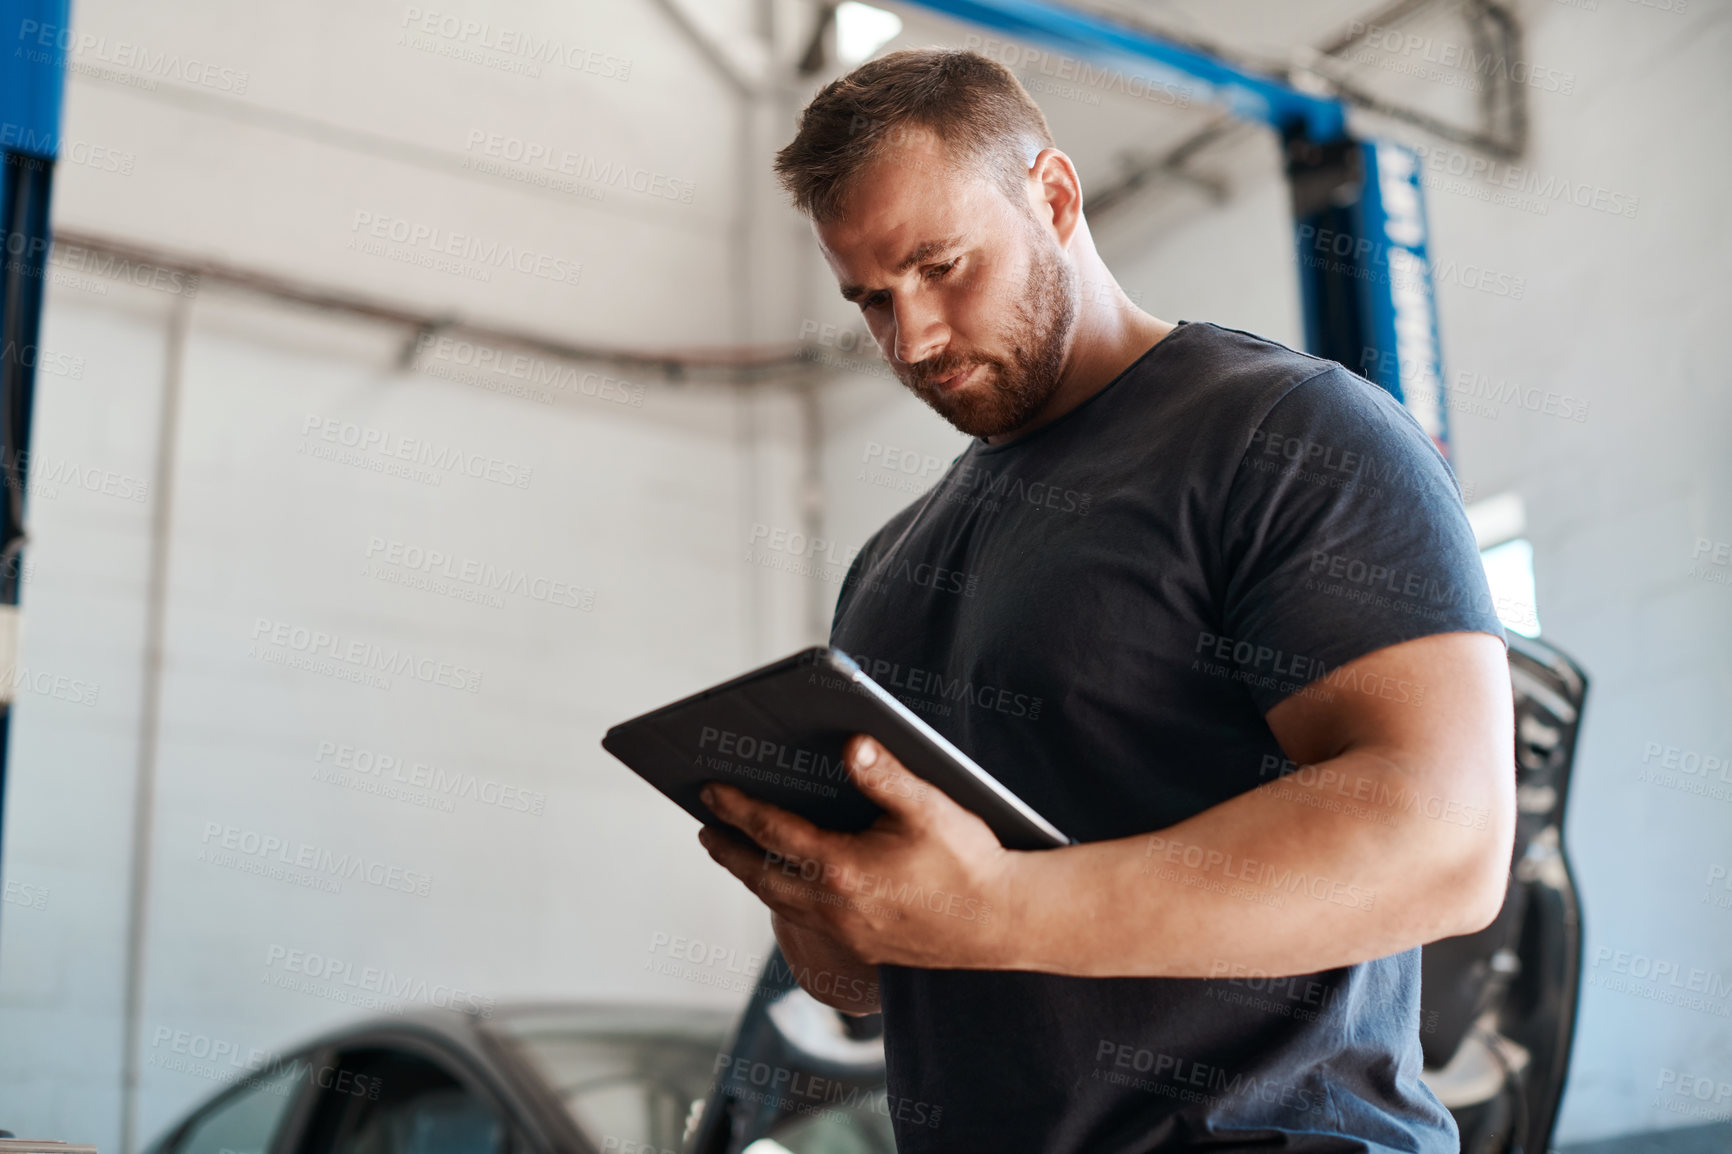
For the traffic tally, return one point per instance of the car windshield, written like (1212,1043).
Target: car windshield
(632,1079)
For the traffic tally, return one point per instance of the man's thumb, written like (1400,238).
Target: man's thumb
(883,779)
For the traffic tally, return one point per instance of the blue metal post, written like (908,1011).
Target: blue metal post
(34,42)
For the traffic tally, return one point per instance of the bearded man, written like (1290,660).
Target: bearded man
(1216,613)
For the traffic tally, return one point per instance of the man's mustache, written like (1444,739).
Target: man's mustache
(924,373)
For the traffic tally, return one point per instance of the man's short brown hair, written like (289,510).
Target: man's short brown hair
(984,116)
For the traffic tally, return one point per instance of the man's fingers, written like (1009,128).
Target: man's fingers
(790,887)
(885,780)
(754,869)
(793,859)
(770,826)
(733,855)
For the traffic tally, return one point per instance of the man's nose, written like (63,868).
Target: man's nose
(919,332)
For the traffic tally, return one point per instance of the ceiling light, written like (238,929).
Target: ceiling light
(862,30)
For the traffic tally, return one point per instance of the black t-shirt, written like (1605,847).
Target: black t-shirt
(1100,612)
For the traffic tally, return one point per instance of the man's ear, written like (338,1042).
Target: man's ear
(1055,193)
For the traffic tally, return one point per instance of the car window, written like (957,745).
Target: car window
(246,1121)
(384,1101)
(629,1093)
(633,1079)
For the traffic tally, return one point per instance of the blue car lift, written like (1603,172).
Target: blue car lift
(1359,223)
(32,81)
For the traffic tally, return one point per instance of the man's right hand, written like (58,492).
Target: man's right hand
(826,969)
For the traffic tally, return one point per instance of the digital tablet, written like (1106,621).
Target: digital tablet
(778,734)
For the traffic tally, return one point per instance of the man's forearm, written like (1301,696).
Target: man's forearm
(826,969)
(1346,860)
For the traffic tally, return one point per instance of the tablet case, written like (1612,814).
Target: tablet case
(778,733)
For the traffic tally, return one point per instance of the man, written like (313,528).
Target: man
(1213,608)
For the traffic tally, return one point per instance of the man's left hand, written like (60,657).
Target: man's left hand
(926,885)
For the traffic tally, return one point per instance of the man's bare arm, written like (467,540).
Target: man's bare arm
(1397,831)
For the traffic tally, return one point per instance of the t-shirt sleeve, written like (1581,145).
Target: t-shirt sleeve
(1344,533)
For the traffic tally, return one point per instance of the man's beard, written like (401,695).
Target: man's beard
(1008,395)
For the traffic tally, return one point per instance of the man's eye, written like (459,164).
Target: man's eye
(875,301)
(938,272)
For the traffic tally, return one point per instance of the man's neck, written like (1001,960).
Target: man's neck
(1109,336)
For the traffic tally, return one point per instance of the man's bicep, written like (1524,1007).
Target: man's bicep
(1439,707)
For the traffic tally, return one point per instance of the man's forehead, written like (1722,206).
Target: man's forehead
(900,213)
(895,187)
(895,246)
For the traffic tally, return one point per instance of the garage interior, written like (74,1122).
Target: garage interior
(255,370)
